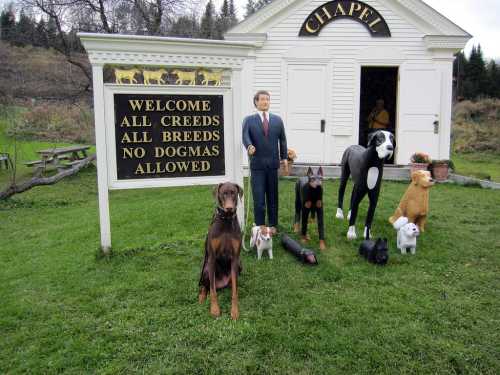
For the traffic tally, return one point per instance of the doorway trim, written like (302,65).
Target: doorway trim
(357,103)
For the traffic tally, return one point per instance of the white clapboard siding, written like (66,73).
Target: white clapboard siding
(344,40)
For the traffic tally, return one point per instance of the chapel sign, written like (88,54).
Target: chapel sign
(162,136)
(355,10)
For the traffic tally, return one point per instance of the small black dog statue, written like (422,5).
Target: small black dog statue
(309,199)
(375,251)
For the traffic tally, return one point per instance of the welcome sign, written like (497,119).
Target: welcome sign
(355,10)
(163,136)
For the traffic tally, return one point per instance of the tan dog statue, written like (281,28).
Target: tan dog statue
(415,202)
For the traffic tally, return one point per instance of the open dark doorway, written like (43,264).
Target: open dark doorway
(378,84)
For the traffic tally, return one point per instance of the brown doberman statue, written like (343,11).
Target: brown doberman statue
(221,265)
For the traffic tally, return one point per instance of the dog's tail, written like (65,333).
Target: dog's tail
(399,223)
(397,214)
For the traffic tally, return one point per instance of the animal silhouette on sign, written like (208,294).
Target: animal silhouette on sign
(154,75)
(309,199)
(182,76)
(213,76)
(129,74)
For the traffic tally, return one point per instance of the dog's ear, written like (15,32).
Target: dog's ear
(309,172)
(320,171)
(415,176)
(371,137)
(216,192)
(240,191)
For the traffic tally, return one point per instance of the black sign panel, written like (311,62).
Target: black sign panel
(355,10)
(162,136)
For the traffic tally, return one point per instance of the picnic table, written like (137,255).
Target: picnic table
(59,157)
(5,160)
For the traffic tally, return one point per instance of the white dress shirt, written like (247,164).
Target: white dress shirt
(261,114)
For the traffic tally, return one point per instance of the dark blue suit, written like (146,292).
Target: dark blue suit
(264,164)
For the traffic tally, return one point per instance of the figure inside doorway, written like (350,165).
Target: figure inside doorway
(378,119)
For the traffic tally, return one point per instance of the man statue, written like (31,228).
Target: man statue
(265,141)
(378,119)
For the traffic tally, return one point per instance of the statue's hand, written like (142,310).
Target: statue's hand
(251,150)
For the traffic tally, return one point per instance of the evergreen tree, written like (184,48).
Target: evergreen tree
(40,39)
(475,72)
(8,24)
(233,18)
(493,74)
(223,20)
(24,31)
(207,25)
(185,27)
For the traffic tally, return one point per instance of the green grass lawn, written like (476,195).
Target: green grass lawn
(65,310)
(480,165)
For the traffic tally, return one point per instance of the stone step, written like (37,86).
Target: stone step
(391,172)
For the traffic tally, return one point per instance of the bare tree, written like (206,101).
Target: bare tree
(158,15)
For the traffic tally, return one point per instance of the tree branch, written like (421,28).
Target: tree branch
(40,181)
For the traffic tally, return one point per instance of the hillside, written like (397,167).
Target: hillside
(33,72)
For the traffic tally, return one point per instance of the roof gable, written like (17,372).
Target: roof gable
(416,12)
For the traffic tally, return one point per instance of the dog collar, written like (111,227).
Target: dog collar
(223,214)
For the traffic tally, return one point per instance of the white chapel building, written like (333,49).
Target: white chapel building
(325,63)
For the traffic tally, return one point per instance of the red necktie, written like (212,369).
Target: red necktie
(265,123)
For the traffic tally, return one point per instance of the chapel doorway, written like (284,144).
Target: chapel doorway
(378,101)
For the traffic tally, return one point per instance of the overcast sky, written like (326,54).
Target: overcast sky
(479,18)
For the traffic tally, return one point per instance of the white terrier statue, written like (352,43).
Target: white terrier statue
(407,235)
(262,240)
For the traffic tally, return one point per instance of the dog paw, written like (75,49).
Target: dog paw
(235,313)
(351,233)
(215,311)
(340,214)
(349,215)
(202,296)
(322,245)
(367,231)
(304,239)
(296,227)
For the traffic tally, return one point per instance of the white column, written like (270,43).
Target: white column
(236,83)
(445,67)
(102,167)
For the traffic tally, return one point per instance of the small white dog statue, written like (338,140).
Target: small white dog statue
(407,235)
(262,240)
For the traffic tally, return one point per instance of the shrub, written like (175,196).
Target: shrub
(55,122)
(476,126)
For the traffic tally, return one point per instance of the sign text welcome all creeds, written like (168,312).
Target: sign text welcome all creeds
(161,136)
